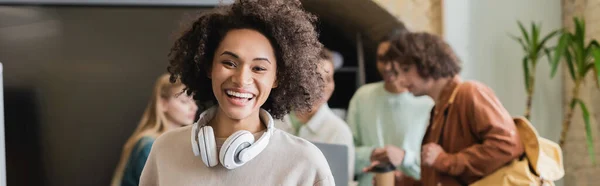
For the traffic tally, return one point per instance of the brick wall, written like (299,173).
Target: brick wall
(578,167)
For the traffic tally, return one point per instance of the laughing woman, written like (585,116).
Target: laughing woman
(256,59)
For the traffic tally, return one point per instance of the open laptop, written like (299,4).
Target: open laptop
(337,157)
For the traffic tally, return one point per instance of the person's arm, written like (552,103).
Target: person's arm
(411,164)
(362,153)
(491,122)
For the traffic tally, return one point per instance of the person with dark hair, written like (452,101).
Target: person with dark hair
(388,122)
(255,59)
(321,124)
(470,134)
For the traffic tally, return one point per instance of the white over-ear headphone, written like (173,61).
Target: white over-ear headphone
(238,149)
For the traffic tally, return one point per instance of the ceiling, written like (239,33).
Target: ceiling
(349,16)
(355,16)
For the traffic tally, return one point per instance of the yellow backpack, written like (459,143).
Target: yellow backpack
(541,165)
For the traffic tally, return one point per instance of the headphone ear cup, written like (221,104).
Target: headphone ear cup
(230,150)
(208,146)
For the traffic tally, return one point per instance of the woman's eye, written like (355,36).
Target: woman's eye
(259,69)
(228,63)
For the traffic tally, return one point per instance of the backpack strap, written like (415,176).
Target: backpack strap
(447,109)
(453,95)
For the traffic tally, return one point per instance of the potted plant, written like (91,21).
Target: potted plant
(581,59)
(535,48)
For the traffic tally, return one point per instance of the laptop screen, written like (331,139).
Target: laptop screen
(337,157)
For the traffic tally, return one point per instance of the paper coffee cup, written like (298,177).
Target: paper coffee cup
(385,179)
(384,175)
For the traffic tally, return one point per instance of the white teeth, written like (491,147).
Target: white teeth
(239,94)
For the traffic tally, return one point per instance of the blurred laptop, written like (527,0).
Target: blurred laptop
(337,157)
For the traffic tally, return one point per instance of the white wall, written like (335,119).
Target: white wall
(479,33)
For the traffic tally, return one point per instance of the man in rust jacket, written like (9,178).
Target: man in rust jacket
(470,134)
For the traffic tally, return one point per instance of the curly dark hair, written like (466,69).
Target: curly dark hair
(432,56)
(289,28)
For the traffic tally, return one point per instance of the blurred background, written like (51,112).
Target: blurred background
(77,74)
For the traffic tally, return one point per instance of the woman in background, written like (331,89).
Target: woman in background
(167,109)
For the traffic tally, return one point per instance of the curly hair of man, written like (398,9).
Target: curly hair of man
(433,57)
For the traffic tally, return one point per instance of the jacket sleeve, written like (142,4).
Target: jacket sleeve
(493,125)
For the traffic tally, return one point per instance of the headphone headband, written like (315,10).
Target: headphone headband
(228,153)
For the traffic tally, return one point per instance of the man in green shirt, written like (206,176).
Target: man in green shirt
(387,119)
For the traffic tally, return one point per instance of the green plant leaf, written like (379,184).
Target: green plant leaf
(597,78)
(535,34)
(523,31)
(592,67)
(591,46)
(589,54)
(548,55)
(596,68)
(579,31)
(521,42)
(548,51)
(579,47)
(545,39)
(578,54)
(588,130)
(559,51)
(526,74)
(569,60)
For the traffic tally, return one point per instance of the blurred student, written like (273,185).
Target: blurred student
(320,124)
(386,119)
(470,134)
(168,108)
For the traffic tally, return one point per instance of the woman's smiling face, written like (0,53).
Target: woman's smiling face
(243,72)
